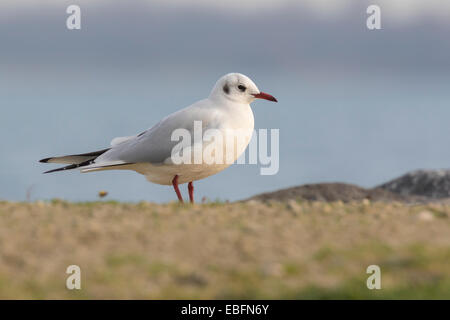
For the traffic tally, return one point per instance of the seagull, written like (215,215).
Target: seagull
(150,153)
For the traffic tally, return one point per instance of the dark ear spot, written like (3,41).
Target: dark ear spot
(226,89)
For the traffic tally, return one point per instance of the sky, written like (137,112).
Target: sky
(355,105)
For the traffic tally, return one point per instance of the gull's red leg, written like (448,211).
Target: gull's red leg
(191,191)
(175,186)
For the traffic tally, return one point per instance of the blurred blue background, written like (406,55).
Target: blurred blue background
(355,105)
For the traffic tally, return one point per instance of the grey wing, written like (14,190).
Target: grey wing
(155,145)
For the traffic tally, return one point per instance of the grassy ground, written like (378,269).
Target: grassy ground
(288,250)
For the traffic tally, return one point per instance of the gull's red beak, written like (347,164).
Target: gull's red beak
(266,96)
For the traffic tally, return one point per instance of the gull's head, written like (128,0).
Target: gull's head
(238,88)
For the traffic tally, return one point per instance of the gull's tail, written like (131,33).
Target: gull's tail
(74,161)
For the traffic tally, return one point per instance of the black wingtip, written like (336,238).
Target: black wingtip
(44,160)
(72,166)
(54,170)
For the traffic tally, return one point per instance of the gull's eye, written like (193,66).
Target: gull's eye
(242,88)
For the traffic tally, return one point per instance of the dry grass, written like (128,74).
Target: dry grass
(240,250)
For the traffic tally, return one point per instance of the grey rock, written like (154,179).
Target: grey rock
(434,184)
(329,192)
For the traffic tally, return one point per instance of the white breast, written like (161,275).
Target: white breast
(235,126)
